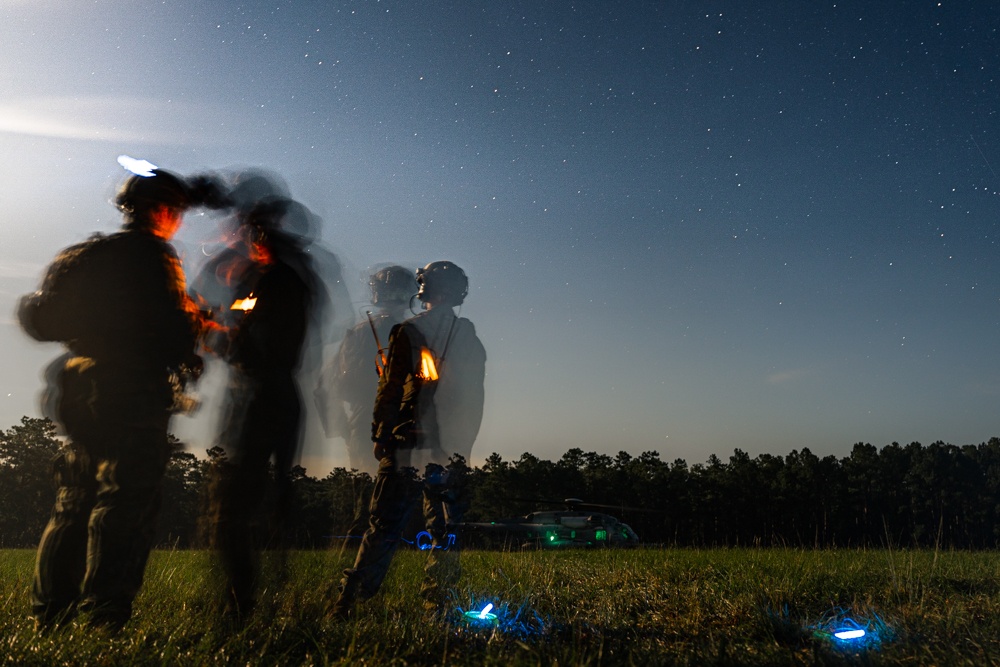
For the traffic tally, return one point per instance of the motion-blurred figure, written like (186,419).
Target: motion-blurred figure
(279,295)
(119,305)
(429,405)
(227,268)
(351,380)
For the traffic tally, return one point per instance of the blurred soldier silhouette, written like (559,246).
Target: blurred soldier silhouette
(351,380)
(119,305)
(279,295)
(228,269)
(429,406)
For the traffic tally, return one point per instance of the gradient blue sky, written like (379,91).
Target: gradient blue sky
(689,226)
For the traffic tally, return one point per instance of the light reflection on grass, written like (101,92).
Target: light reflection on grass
(572,607)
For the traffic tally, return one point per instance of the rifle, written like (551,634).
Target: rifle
(380,360)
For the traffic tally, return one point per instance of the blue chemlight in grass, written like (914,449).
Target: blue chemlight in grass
(848,630)
(517,621)
(483,617)
(850,634)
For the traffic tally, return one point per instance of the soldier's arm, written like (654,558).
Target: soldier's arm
(390,387)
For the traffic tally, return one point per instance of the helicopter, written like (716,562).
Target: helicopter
(575,526)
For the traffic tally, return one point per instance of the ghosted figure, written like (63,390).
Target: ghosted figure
(118,303)
(351,379)
(428,410)
(278,295)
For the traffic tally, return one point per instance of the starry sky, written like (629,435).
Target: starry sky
(689,227)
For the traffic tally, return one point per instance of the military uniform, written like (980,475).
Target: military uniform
(119,305)
(353,380)
(264,414)
(431,420)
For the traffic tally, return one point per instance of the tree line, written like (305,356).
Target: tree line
(914,495)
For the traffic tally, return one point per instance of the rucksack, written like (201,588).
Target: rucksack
(67,307)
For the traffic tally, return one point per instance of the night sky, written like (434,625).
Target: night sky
(689,227)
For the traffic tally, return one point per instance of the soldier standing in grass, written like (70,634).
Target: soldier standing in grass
(351,380)
(119,305)
(264,409)
(429,406)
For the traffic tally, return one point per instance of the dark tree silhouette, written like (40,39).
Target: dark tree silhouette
(26,485)
(939,495)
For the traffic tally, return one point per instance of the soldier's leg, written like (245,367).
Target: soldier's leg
(271,427)
(442,569)
(393,500)
(123,523)
(359,448)
(237,501)
(285,435)
(62,551)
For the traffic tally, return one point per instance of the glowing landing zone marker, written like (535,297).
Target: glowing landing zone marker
(849,634)
(483,616)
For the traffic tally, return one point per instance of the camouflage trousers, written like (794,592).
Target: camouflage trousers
(359,451)
(398,491)
(92,555)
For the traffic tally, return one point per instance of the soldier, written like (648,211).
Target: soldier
(351,380)
(429,404)
(119,305)
(265,407)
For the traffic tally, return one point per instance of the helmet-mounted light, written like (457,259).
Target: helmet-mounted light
(149,186)
(143,168)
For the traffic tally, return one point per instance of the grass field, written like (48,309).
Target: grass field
(602,607)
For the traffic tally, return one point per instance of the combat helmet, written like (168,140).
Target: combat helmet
(392,285)
(144,192)
(444,281)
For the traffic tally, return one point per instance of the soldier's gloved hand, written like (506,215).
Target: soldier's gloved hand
(382,450)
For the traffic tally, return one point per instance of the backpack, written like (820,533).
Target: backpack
(67,306)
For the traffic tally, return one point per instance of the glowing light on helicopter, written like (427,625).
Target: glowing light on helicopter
(428,369)
(137,167)
(849,634)
(246,305)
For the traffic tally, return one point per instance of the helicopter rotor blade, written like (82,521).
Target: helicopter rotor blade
(621,508)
